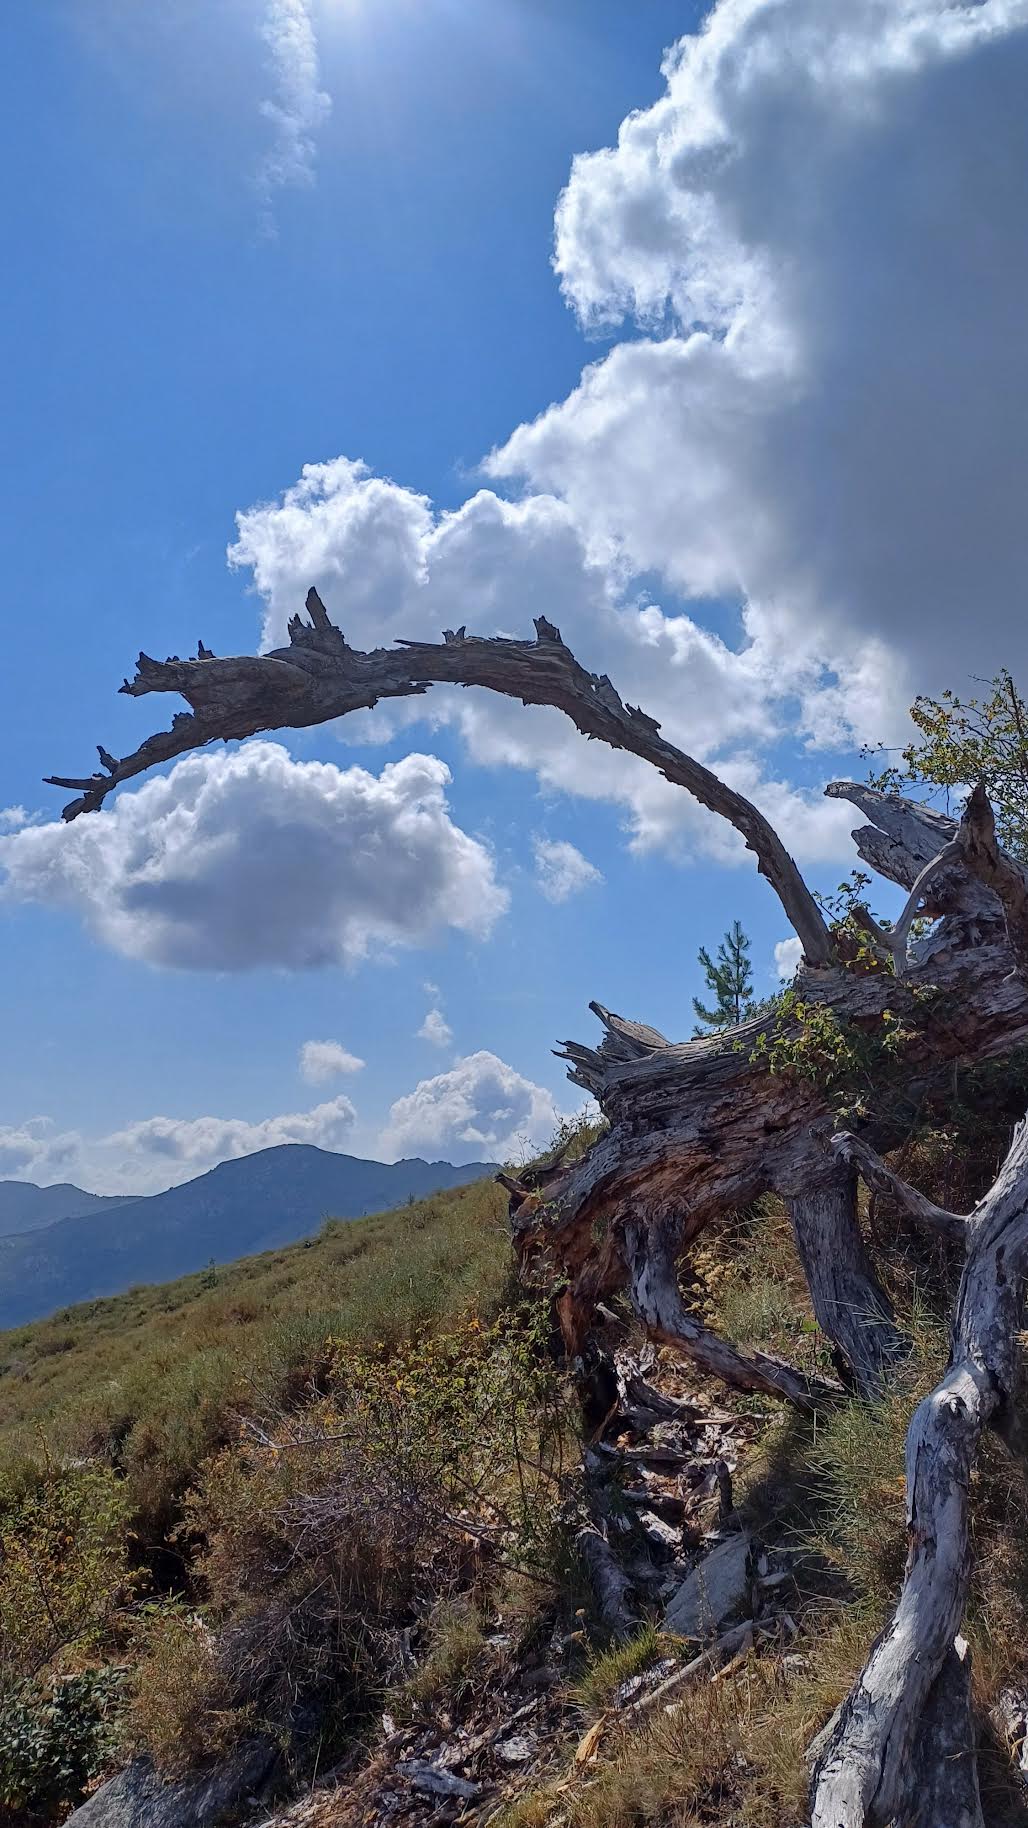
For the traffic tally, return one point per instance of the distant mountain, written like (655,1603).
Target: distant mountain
(257,1203)
(25,1207)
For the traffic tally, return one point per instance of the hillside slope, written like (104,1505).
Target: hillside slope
(26,1207)
(154,1377)
(254,1204)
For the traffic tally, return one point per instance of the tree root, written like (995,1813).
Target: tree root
(866,1772)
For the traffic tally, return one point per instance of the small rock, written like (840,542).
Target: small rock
(517,1750)
(718,1586)
(436,1782)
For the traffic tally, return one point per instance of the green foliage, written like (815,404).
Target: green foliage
(153,1382)
(850,1063)
(961,742)
(454,1657)
(729,981)
(56,1738)
(64,1569)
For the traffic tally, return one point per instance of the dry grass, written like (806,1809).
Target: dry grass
(153,1380)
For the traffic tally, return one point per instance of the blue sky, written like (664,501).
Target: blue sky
(214,276)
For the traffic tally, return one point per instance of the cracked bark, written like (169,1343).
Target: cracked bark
(866,1772)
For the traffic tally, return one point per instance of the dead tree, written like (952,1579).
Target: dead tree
(698,1128)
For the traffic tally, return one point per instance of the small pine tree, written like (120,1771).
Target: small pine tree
(729,979)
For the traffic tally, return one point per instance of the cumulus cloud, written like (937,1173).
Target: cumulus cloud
(12,818)
(561,870)
(299,105)
(436,1028)
(789,497)
(824,216)
(482,1109)
(321,1060)
(389,565)
(788,954)
(159,1152)
(37,1140)
(247,859)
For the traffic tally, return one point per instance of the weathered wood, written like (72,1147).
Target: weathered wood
(865,1771)
(610,1583)
(849,1302)
(658,1302)
(873,1171)
(318,677)
(945,1791)
(983,857)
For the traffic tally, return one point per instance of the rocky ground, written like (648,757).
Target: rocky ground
(665,1540)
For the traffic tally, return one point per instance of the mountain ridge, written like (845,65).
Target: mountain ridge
(25,1206)
(240,1207)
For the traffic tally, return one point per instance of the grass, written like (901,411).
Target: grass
(151,1381)
(456,1646)
(606,1672)
(151,1386)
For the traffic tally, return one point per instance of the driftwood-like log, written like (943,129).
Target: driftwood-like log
(848,1300)
(873,1171)
(658,1302)
(865,1771)
(319,677)
(696,1128)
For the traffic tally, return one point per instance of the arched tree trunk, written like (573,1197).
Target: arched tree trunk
(699,1128)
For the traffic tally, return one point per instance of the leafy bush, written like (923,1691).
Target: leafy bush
(56,1738)
(64,1569)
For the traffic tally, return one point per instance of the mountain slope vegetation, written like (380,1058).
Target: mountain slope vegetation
(252,1204)
(332,1496)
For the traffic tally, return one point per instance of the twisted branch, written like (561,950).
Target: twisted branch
(318,677)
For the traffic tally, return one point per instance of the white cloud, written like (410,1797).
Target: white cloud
(482,1109)
(36,1140)
(436,1028)
(321,1060)
(824,215)
(388,565)
(823,219)
(12,818)
(247,859)
(159,1152)
(788,955)
(561,870)
(299,105)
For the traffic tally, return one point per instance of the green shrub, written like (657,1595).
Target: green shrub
(64,1570)
(56,1738)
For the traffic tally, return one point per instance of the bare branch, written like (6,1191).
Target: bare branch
(980,850)
(318,677)
(656,1298)
(894,938)
(874,1172)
